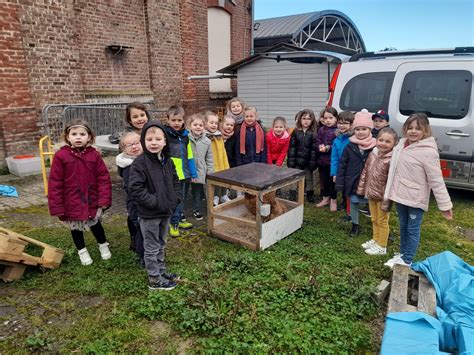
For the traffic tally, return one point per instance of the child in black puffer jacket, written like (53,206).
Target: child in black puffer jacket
(301,154)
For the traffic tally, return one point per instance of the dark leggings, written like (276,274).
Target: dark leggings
(328,188)
(98,232)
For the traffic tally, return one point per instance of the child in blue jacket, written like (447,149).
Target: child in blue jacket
(344,131)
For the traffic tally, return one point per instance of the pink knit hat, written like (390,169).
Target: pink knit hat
(363,119)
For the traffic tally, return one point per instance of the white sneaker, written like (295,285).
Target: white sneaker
(225,199)
(368,244)
(84,256)
(105,251)
(397,258)
(376,250)
(216,200)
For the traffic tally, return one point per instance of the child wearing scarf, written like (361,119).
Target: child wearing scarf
(250,144)
(352,162)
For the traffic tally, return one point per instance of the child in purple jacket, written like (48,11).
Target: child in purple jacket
(322,145)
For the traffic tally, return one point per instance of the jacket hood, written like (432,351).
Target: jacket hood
(145,128)
(429,142)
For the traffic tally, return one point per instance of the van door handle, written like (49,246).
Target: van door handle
(458,133)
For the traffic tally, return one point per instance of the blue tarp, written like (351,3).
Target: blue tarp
(416,332)
(6,190)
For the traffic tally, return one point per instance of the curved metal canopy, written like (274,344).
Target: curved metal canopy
(329,29)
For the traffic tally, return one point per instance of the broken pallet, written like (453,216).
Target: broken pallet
(12,246)
(411,292)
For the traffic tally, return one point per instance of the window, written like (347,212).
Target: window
(218,26)
(369,90)
(438,93)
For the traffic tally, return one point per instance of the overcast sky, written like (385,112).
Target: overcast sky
(402,24)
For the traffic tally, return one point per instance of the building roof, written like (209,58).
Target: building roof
(290,27)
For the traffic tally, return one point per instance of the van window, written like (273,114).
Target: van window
(438,93)
(369,90)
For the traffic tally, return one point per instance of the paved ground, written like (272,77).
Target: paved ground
(31,193)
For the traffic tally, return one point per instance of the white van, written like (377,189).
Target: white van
(436,82)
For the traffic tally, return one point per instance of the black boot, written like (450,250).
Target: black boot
(354,230)
(310,196)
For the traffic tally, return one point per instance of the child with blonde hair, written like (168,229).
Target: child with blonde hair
(250,144)
(373,180)
(414,172)
(131,148)
(278,142)
(80,188)
(203,159)
(219,153)
(235,109)
(227,129)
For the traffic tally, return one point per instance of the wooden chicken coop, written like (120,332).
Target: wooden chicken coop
(259,218)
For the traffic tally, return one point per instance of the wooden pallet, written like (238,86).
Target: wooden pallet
(12,246)
(411,292)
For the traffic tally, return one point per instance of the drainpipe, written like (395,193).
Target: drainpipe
(251,28)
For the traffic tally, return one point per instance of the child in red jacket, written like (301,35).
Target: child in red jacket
(80,188)
(278,142)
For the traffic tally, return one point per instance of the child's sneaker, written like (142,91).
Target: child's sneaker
(171,276)
(397,258)
(355,230)
(84,256)
(105,251)
(225,199)
(365,211)
(174,230)
(182,218)
(376,250)
(185,225)
(368,244)
(160,283)
(216,201)
(197,215)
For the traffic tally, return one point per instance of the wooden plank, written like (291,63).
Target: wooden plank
(230,204)
(426,296)
(301,191)
(398,295)
(12,271)
(238,220)
(234,240)
(23,258)
(258,218)
(282,226)
(210,206)
(11,245)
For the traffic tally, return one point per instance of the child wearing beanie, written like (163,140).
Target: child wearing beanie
(352,162)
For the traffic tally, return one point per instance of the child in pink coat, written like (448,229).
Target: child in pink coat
(414,172)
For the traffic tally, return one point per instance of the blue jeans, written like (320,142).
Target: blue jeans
(355,200)
(176,217)
(410,219)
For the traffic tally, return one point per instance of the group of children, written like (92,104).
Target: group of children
(357,155)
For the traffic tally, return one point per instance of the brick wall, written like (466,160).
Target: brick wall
(54,51)
(18,119)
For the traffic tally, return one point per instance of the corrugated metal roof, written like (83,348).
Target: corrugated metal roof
(282,26)
(292,25)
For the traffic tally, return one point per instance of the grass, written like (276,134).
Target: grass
(310,291)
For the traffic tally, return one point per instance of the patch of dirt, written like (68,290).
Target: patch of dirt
(469,233)
(161,331)
(28,312)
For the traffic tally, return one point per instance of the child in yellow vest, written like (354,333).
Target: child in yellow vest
(219,153)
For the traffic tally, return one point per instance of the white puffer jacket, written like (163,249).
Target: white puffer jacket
(415,171)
